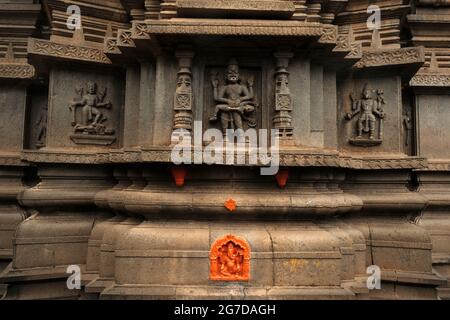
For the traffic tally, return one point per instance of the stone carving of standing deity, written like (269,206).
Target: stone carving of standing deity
(90,120)
(370,111)
(235,101)
(408,125)
(41,128)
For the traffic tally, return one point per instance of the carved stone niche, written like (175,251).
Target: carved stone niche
(433,114)
(219,85)
(85,107)
(230,259)
(37,116)
(370,115)
(12,106)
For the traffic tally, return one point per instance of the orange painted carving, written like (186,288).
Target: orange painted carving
(231,205)
(179,174)
(230,259)
(282,177)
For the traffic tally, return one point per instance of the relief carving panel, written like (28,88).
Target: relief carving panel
(369,126)
(232,97)
(85,107)
(230,259)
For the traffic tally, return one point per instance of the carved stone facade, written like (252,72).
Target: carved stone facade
(356,119)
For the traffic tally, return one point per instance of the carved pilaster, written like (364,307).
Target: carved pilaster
(183,100)
(282,119)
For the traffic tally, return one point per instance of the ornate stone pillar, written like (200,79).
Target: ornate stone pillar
(183,100)
(282,119)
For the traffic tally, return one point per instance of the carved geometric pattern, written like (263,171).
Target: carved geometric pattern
(391,57)
(356,51)
(343,43)
(17,71)
(230,259)
(183,102)
(111,46)
(66,51)
(283,102)
(139,30)
(431,80)
(241,27)
(286,159)
(125,39)
(329,34)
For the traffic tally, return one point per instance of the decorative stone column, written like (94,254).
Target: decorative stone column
(183,100)
(282,119)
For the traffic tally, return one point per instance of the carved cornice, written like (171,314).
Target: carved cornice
(287,158)
(65,157)
(430,80)
(66,51)
(391,57)
(16,70)
(438,165)
(366,163)
(327,33)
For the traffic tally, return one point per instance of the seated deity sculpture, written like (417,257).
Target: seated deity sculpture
(230,260)
(235,101)
(91,118)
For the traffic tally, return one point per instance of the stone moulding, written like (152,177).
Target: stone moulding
(287,8)
(66,51)
(93,139)
(328,33)
(391,57)
(11,159)
(17,71)
(295,159)
(438,165)
(430,80)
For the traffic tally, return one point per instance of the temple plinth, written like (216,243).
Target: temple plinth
(199,149)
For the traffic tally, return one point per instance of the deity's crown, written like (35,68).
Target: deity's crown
(367,87)
(233,64)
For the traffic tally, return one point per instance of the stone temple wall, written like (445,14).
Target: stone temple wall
(93,105)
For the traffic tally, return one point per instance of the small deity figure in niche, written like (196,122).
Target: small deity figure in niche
(236,102)
(231,259)
(92,118)
(408,124)
(41,128)
(369,109)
